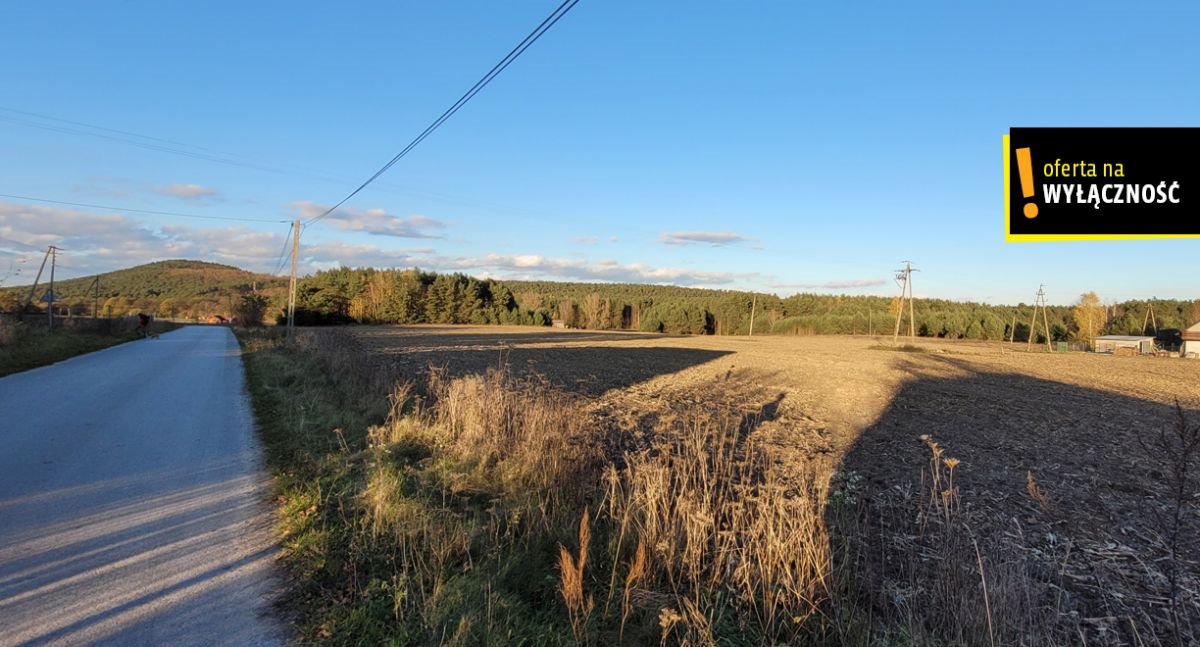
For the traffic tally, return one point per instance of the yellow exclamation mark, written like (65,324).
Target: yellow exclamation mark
(1025,170)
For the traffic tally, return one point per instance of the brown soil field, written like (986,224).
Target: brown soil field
(1076,423)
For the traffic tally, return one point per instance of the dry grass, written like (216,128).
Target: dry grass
(495,506)
(723,533)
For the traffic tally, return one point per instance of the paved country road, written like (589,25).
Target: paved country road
(132,506)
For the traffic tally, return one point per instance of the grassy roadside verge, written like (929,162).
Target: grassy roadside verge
(31,348)
(391,537)
(491,510)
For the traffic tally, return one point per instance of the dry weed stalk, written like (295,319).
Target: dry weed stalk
(570,570)
(637,570)
(958,590)
(1035,492)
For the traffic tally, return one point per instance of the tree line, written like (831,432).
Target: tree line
(371,296)
(192,289)
(413,296)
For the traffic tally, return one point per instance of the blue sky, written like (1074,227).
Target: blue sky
(777,146)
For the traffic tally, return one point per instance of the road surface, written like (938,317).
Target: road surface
(132,500)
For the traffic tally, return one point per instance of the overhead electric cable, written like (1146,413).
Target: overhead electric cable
(515,53)
(283,252)
(130,210)
(72,122)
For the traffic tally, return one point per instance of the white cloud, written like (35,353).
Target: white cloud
(97,243)
(837,284)
(187,191)
(594,240)
(373,221)
(715,238)
(94,242)
(531,266)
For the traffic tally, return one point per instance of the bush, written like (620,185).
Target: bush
(250,309)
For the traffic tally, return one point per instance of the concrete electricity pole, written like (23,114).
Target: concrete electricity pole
(1149,319)
(291,311)
(33,288)
(50,295)
(753,305)
(904,278)
(1039,303)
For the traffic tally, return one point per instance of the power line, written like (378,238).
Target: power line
(130,210)
(289,170)
(515,53)
(118,131)
(283,252)
(140,144)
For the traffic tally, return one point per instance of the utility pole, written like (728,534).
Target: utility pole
(1039,303)
(50,302)
(1149,318)
(33,288)
(91,286)
(904,278)
(291,311)
(912,317)
(1012,331)
(753,306)
(870,322)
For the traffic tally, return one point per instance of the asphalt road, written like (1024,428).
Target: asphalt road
(132,500)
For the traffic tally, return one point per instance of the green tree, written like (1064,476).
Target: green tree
(249,310)
(1088,317)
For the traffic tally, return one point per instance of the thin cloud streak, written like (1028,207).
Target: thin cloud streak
(831,285)
(714,238)
(187,191)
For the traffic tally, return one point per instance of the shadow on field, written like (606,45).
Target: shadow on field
(587,370)
(430,338)
(1099,535)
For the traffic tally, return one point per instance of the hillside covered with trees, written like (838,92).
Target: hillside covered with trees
(176,288)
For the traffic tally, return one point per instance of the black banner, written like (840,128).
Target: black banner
(1099,183)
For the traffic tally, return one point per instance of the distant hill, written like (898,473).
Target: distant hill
(187,288)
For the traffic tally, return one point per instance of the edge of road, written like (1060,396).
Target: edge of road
(93,352)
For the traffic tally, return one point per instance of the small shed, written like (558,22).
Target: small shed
(1191,342)
(1125,344)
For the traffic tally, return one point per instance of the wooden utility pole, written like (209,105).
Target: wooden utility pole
(291,311)
(753,306)
(1039,303)
(904,278)
(1012,331)
(870,322)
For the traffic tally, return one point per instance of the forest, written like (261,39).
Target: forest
(413,296)
(196,290)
